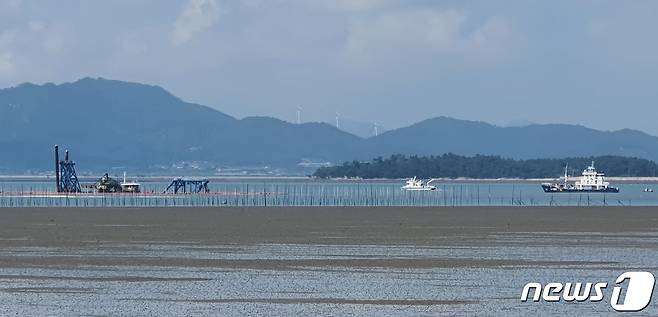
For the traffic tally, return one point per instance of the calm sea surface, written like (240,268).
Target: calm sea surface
(326,193)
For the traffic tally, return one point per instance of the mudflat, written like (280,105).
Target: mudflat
(304,225)
(386,261)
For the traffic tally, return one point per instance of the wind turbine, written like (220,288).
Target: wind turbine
(299,115)
(337,117)
(376,130)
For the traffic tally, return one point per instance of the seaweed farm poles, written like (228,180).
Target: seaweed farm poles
(285,194)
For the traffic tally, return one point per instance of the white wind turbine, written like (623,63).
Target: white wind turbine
(299,115)
(376,130)
(337,117)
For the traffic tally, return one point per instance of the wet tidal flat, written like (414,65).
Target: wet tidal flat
(314,261)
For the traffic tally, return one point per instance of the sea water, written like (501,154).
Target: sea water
(327,193)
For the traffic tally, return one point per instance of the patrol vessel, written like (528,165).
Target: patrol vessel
(590,181)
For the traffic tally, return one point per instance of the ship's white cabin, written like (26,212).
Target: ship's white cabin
(591,180)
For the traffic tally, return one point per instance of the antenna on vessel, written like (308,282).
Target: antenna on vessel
(299,115)
(124,177)
(566,168)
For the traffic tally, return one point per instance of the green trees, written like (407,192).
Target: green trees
(484,166)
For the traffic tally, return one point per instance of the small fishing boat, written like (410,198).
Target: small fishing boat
(130,187)
(418,185)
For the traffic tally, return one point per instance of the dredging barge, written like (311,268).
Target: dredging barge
(67,182)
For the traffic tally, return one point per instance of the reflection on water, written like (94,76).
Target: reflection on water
(316,280)
(325,193)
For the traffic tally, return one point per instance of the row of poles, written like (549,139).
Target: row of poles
(282,195)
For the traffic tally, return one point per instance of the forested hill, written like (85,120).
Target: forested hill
(482,166)
(115,125)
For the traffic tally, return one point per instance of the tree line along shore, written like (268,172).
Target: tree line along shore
(486,167)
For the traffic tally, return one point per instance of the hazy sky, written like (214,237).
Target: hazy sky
(394,62)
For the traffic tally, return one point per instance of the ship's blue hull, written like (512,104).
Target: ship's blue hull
(554,188)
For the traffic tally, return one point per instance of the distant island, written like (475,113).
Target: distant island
(485,167)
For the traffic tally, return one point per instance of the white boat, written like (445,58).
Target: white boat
(130,187)
(591,181)
(418,184)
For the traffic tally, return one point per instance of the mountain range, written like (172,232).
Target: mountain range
(109,124)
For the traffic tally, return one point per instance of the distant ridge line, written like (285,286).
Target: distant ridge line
(111,124)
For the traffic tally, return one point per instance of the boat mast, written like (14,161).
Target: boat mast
(566,167)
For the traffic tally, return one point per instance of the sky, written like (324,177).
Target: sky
(593,63)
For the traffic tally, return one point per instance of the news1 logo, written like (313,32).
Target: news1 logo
(638,292)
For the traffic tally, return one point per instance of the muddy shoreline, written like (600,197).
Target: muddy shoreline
(312,261)
(315,225)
